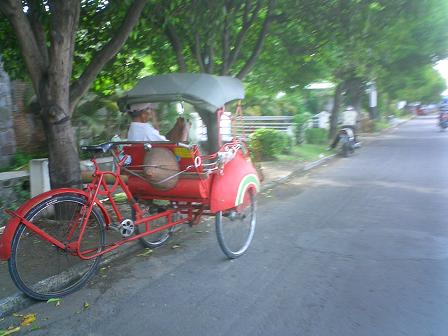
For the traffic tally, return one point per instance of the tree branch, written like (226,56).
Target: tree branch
(197,51)
(225,47)
(229,17)
(211,56)
(35,14)
(80,87)
(259,45)
(13,11)
(247,23)
(176,43)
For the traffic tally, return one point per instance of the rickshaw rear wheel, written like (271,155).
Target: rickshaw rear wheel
(235,229)
(156,239)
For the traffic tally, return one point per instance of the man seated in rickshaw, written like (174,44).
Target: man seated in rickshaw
(141,130)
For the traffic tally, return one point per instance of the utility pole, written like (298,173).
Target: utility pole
(373,98)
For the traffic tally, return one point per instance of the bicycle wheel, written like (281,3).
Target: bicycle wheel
(42,270)
(156,239)
(235,229)
(345,149)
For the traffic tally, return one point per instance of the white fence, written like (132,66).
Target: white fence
(252,123)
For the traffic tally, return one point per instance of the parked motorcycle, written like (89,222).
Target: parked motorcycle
(346,142)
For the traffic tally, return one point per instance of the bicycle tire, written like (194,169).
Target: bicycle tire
(346,149)
(35,268)
(235,235)
(157,239)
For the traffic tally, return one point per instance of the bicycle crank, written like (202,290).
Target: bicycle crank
(126,228)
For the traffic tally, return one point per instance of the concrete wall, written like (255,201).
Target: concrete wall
(14,188)
(7,135)
(30,137)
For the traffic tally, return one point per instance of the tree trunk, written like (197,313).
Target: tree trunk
(63,157)
(211,122)
(335,111)
(355,91)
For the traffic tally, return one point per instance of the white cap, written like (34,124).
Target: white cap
(143,106)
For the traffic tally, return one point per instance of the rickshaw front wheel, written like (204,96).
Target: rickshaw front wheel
(235,228)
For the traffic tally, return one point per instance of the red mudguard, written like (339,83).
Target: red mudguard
(228,188)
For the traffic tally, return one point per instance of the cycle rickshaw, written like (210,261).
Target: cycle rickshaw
(54,242)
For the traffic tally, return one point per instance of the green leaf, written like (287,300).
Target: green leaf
(56,301)
(9,331)
(146,253)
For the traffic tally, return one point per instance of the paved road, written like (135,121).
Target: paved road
(359,247)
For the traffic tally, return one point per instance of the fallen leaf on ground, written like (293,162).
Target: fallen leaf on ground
(147,252)
(86,305)
(9,331)
(28,319)
(175,246)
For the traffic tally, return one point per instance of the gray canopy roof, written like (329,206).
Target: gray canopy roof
(204,91)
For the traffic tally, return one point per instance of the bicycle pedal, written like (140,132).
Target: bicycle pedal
(126,228)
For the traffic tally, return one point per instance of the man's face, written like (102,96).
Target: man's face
(147,115)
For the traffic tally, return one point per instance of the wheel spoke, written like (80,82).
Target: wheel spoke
(156,239)
(42,270)
(235,228)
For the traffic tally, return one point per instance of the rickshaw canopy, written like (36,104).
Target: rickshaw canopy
(205,92)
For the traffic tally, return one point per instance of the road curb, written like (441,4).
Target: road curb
(301,169)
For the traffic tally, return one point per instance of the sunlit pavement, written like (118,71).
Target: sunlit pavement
(359,247)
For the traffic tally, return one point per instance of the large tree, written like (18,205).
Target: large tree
(222,37)
(47,33)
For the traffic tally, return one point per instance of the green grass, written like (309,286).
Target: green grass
(380,125)
(305,152)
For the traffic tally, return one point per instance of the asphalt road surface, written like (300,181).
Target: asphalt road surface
(358,247)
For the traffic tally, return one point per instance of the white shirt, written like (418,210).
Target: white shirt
(349,117)
(144,132)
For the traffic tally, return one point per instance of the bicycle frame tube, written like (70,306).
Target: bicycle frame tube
(85,254)
(18,217)
(38,231)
